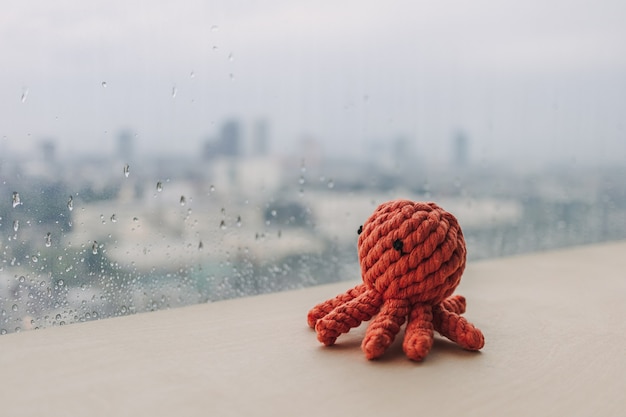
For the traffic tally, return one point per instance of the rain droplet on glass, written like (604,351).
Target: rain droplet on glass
(182,200)
(231,57)
(200,245)
(104,84)
(159,187)
(113,218)
(16,199)
(16,225)
(331,184)
(94,248)
(70,203)
(174,92)
(215,28)
(24,95)
(222,225)
(48,240)
(126,170)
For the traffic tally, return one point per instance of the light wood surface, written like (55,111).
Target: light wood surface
(555,346)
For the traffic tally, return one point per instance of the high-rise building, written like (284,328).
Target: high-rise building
(460,151)
(230,138)
(228,143)
(260,139)
(125,145)
(48,150)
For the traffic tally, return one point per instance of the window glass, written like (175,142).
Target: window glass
(159,154)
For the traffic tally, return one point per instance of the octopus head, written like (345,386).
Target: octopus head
(412,250)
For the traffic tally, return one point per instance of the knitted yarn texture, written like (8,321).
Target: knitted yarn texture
(412,256)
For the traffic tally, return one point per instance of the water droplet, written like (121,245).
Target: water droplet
(58,317)
(94,248)
(48,240)
(104,84)
(126,170)
(60,283)
(238,221)
(211,188)
(16,199)
(273,213)
(215,28)
(192,75)
(135,219)
(3,331)
(70,203)
(231,57)
(16,225)
(301,180)
(182,200)
(34,258)
(231,76)
(14,307)
(159,187)
(24,95)
(200,245)
(174,92)
(223,225)
(331,184)
(113,218)
(22,278)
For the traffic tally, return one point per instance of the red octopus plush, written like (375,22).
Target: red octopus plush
(412,256)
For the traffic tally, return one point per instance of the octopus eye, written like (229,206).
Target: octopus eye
(397,245)
(358,232)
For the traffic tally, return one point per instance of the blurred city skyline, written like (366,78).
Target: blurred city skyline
(536,82)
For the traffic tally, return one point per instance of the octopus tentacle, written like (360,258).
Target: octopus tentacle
(383,329)
(418,338)
(454,304)
(456,328)
(327,306)
(346,316)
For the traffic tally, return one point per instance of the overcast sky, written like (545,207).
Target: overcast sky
(533,79)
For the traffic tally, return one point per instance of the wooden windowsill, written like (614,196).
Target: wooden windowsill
(553,322)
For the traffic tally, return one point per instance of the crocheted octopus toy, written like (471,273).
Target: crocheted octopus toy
(412,256)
